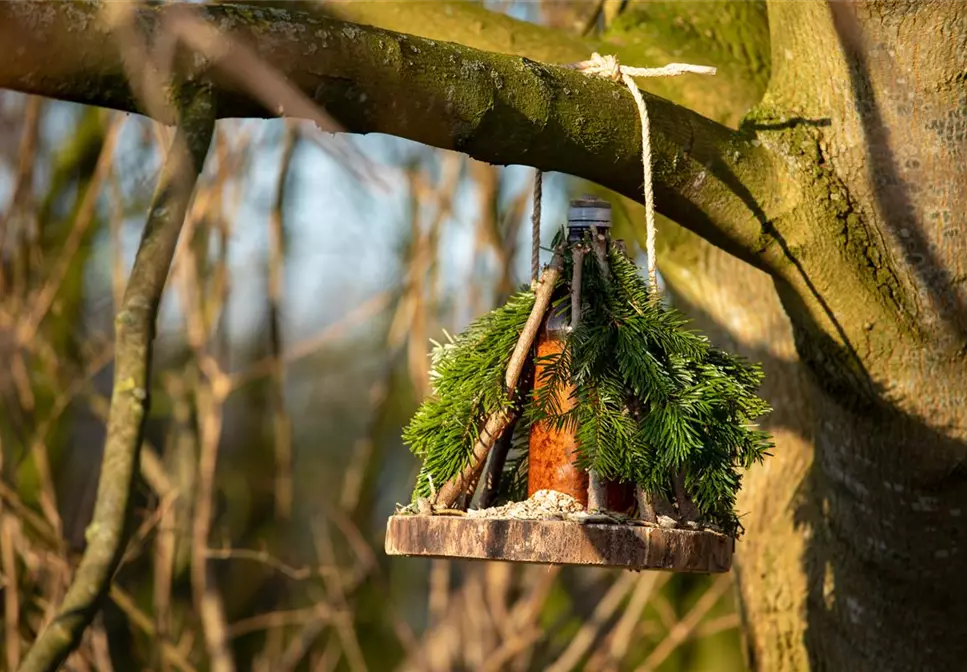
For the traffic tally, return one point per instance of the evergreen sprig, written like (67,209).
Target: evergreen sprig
(467,380)
(652,399)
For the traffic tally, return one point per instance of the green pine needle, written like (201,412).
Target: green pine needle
(467,377)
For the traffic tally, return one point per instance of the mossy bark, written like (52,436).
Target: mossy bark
(638,40)
(495,107)
(852,558)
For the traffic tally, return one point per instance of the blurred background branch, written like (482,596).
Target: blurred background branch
(135,330)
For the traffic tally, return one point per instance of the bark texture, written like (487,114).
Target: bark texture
(495,107)
(565,542)
(853,203)
(882,502)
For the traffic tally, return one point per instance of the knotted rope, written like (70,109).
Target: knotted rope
(609,67)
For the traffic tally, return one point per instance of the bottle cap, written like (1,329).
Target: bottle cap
(589,211)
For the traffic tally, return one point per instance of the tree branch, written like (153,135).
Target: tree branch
(657,35)
(134,324)
(497,108)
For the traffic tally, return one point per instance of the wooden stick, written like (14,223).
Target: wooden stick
(498,422)
(597,494)
(646,505)
(597,497)
(599,244)
(542,299)
(495,468)
(577,255)
(686,508)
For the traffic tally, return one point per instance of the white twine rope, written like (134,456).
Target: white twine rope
(608,66)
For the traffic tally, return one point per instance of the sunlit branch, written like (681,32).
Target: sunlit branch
(497,108)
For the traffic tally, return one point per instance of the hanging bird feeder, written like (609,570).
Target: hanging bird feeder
(581,423)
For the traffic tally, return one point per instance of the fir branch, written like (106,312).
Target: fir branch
(464,479)
(654,403)
(467,379)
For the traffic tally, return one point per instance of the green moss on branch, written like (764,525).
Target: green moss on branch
(497,108)
(739,46)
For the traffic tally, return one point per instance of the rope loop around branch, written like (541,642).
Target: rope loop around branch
(609,67)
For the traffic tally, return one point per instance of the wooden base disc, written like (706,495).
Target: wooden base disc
(559,542)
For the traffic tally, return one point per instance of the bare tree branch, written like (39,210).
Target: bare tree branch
(281,421)
(497,108)
(135,325)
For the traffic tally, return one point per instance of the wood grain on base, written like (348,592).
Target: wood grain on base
(559,543)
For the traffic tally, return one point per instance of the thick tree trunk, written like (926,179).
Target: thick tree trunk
(853,558)
(737,307)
